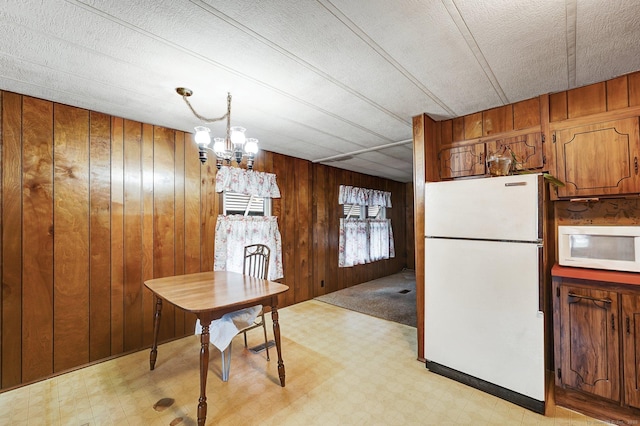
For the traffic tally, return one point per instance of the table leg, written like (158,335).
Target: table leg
(156,327)
(204,368)
(276,335)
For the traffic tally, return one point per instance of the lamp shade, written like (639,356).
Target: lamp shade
(237,135)
(219,146)
(251,146)
(202,136)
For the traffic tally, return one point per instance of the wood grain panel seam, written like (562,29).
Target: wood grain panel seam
(15,366)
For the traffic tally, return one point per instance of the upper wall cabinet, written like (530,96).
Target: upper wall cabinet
(527,149)
(598,159)
(467,160)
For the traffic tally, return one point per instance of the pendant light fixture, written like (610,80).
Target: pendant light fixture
(234,146)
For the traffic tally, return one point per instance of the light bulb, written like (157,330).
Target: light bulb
(202,136)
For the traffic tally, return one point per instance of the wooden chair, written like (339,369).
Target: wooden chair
(256,264)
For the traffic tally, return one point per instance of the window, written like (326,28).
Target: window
(354,211)
(246,205)
(376,212)
(366,234)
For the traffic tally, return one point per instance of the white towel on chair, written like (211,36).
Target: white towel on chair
(223,330)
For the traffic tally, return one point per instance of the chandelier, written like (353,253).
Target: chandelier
(234,146)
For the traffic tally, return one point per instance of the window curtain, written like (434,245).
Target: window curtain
(363,196)
(234,232)
(381,244)
(249,182)
(364,241)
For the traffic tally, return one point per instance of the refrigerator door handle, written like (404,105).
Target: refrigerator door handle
(540,279)
(515,184)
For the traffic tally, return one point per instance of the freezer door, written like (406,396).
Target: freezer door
(481,312)
(498,208)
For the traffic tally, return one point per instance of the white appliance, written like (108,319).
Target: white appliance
(603,247)
(484,324)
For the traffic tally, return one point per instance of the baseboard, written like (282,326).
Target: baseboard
(490,388)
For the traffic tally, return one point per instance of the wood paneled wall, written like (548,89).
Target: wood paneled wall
(606,96)
(425,169)
(92,205)
(514,117)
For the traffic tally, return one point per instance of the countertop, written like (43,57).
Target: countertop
(632,278)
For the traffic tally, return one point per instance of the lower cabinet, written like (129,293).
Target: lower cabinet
(631,348)
(589,341)
(597,344)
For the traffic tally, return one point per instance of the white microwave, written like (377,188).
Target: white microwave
(601,247)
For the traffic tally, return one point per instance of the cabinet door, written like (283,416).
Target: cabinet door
(589,339)
(527,150)
(631,348)
(598,159)
(461,161)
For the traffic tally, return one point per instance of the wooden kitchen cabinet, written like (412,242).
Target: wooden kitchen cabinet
(596,323)
(467,160)
(589,354)
(470,160)
(631,344)
(526,148)
(598,159)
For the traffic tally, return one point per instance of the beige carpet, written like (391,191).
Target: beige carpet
(392,298)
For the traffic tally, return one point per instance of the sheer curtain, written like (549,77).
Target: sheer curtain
(353,242)
(234,232)
(249,182)
(363,196)
(380,239)
(364,240)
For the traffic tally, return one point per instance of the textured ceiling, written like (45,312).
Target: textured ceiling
(313,79)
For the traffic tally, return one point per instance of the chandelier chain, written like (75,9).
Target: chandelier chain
(228,118)
(205,119)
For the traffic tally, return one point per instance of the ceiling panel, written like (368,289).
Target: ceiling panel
(313,79)
(526,41)
(607,40)
(425,43)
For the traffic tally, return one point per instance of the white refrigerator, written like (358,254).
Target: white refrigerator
(484,323)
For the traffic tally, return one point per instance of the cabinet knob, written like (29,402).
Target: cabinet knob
(635,164)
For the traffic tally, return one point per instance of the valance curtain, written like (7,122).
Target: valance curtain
(364,241)
(234,232)
(363,196)
(248,182)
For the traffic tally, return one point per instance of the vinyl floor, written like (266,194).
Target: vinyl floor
(342,368)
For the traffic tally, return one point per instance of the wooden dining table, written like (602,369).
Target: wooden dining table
(210,295)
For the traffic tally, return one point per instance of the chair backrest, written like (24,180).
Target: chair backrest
(256,261)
